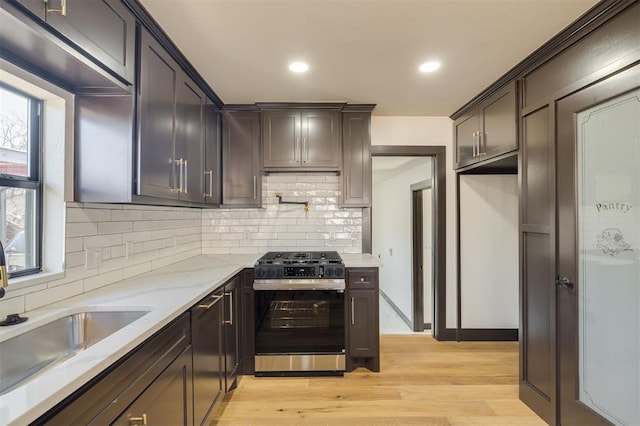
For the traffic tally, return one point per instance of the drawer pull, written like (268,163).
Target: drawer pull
(361,279)
(215,299)
(138,421)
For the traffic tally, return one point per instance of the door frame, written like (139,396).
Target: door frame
(438,156)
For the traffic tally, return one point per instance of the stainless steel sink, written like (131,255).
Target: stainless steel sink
(22,356)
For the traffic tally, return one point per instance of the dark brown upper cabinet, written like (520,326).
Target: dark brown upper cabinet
(356,164)
(84,46)
(212,155)
(171,127)
(241,179)
(488,130)
(307,139)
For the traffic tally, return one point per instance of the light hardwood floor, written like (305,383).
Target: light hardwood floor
(422,382)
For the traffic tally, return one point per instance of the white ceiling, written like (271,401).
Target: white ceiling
(360,51)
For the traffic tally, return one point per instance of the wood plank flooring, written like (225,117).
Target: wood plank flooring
(422,382)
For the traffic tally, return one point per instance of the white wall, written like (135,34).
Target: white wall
(489,251)
(392,233)
(429,131)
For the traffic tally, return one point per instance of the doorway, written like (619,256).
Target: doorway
(422,269)
(437,292)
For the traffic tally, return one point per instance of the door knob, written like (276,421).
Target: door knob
(565,281)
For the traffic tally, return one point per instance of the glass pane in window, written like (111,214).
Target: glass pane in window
(14,133)
(18,230)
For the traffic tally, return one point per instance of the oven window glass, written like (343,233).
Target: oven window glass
(299,321)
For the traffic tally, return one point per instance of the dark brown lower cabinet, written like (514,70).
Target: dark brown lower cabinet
(208,355)
(105,398)
(232,332)
(167,400)
(247,331)
(363,330)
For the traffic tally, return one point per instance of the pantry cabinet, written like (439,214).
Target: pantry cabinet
(363,330)
(301,139)
(488,130)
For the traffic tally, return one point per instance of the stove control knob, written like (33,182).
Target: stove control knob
(271,273)
(259,273)
(328,272)
(339,272)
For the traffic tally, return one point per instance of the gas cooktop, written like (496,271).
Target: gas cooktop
(300,257)
(307,265)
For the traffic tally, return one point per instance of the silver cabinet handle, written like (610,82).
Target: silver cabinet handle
(482,149)
(230,320)
(180,175)
(208,306)
(298,150)
(186,176)
(473,147)
(304,149)
(255,187)
(210,193)
(353,312)
(63,8)
(347,189)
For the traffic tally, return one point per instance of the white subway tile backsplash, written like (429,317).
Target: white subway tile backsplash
(159,236)
(287,226)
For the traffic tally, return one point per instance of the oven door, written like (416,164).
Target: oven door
(300,332)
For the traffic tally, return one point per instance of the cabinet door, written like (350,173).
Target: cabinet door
(356,166)
(232,332)
(499,123)
(168,400)
(206,344)
(190,139)
(363,324)
(37,7)
(103,28)
(157,168)
(320,132)
(212,151)
(466,136)
(281,138)
(242,184)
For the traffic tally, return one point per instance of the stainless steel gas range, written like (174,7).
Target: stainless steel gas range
(300,313)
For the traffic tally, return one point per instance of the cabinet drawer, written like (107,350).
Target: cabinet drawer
(362,278)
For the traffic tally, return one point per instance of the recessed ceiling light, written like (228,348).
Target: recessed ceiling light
(298,67)
(430,66)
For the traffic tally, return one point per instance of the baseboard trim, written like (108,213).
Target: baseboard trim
(397,310)
(488,334)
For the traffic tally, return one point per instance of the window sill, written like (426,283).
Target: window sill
(30,280)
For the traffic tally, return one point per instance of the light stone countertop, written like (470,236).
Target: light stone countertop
(166,293)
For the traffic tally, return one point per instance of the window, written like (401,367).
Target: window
(20,180)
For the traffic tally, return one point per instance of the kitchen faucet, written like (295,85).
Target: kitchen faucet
(3,272)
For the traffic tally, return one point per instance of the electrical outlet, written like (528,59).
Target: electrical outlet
(247,235)
(93,257)
(390,252)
